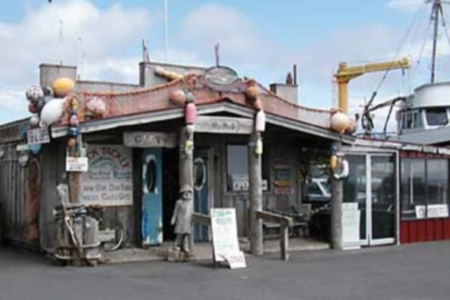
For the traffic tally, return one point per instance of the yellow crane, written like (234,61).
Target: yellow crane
(345,73)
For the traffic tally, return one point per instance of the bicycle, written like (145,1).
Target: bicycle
(111,232)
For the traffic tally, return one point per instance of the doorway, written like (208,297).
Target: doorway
(170,189)
(371,188)
(202,191)
(151,225)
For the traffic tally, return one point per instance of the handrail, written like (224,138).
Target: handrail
(285,223)
(273,217)
(201,219)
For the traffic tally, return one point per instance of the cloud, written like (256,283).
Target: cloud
(405,4)
(35,38)
(105,36)
(241,41)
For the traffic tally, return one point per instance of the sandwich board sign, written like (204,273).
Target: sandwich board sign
(225,238)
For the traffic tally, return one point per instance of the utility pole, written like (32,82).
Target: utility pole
(436,10)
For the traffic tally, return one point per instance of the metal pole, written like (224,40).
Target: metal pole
(435,16)
(166,38)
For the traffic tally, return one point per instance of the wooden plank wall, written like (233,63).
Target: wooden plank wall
(13,205)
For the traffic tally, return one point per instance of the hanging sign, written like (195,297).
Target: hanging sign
(145,139)
(241,183)
(109,181)
(77,164)
(38,136)
(220,78)
(225,238)
(223,125)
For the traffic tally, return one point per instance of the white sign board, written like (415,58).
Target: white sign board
(223,125)
(225,238)
(350,225)
(38,136)
(145,139)
(77,164)
(432,211)
(241,183)
(109,181)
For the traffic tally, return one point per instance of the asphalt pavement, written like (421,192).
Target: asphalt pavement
(412,272)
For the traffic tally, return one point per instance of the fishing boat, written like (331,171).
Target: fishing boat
(423,116)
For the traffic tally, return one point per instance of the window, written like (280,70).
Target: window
(313,189)
(424,188)
(150,176)
(199,173)
(237,168)
(436,116)
(417,119)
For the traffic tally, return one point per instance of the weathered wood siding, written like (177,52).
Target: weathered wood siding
(19,201)
(53,166)
(279,155)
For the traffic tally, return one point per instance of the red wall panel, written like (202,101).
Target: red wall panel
(439,229)
(413,234)
(421,231)
(431,229)
(404,234)
(447,229)
(414,231)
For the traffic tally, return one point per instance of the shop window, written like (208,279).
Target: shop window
(237,168)
(437,116)
(313,189)
(437,179)
(424,188)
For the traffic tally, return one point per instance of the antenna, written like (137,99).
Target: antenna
(60,42)
(166,38)
(217,55)
(80,57)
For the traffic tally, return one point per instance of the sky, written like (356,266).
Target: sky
(259,39)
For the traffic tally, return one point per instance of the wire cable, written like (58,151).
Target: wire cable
(398,51)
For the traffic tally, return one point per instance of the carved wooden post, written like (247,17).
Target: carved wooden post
(336,207)
(255,194)
(187,154)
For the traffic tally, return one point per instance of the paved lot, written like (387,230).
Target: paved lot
(417,272)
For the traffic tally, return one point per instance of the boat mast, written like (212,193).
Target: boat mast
(436,10)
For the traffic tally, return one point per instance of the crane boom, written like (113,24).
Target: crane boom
(345,73)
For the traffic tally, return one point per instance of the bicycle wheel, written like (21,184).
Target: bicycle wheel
(114,229)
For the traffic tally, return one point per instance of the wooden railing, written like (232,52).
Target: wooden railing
(285,223)
(200,219)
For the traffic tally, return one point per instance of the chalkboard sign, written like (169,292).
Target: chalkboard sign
(225,238)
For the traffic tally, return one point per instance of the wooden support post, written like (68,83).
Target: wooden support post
(255,197)
(284,242)
(336,207)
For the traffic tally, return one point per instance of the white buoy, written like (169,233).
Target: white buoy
(52,112)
